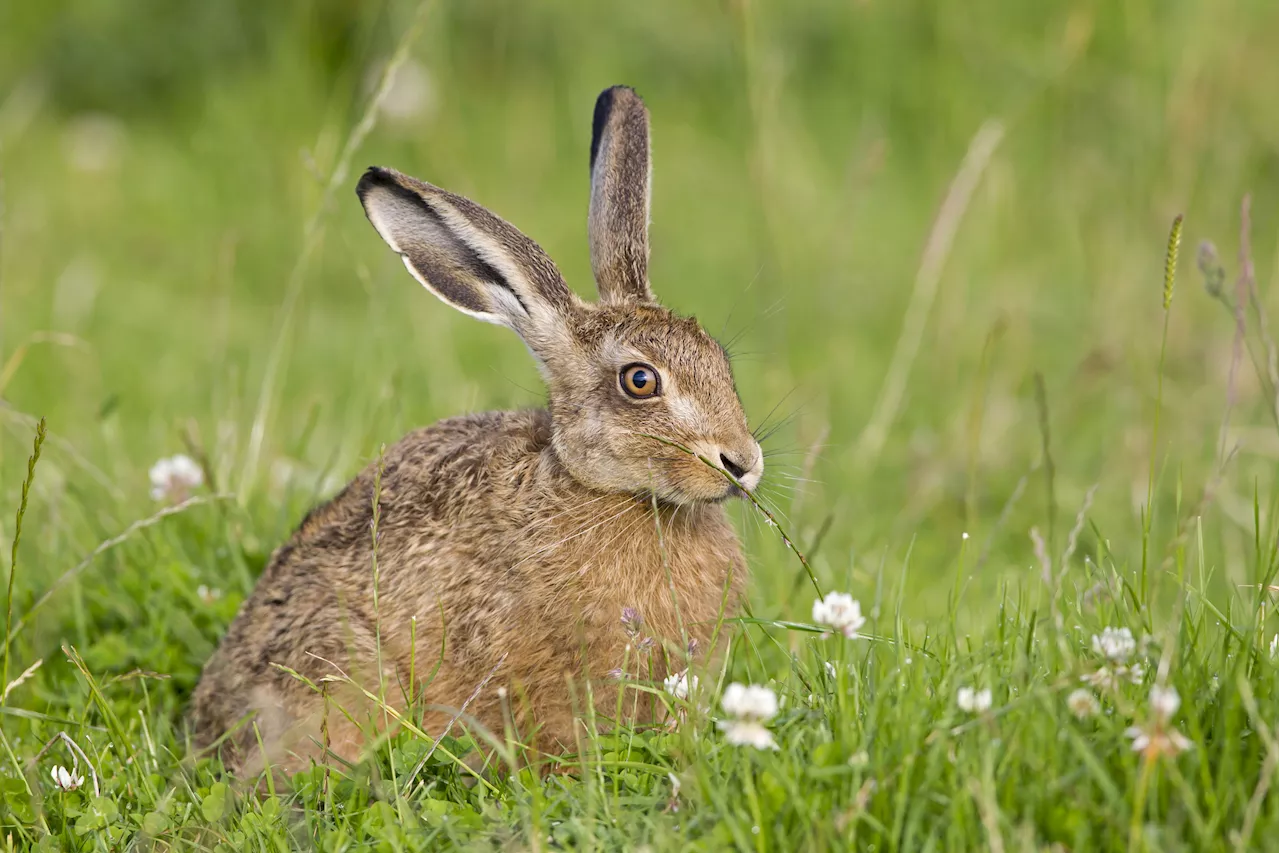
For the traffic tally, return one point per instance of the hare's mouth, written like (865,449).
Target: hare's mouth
(734,491)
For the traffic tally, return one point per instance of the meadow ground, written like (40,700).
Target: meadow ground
(937,235)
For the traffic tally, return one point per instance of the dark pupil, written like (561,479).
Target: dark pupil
(639,379)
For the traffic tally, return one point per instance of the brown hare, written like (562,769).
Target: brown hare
(509,543)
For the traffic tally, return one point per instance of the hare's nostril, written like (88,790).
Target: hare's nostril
(732,467)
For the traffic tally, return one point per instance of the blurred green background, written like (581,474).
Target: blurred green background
(160,163)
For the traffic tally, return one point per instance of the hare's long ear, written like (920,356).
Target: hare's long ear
(618,224)
(467,256)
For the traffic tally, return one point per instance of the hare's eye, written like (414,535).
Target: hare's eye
(640,381)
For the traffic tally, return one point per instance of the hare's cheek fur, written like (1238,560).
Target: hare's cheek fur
(608,447)
(609,440)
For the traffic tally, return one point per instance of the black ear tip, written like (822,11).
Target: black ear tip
(618,91)
(607,101)
(374,176)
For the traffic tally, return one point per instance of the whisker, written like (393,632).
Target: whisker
(626,530)
(797,451)
(810,460)
(764,423)
(775,483)
(771,504)
(734,306)
(775,502)
(774,308)
(575,508)
(584,532)
(530,391)
(728,345)
(773,430)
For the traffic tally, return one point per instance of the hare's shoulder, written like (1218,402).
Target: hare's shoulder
(454,461)
(485,436)
(459,468)
(436,473)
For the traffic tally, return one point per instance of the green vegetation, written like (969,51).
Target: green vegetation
(935,233)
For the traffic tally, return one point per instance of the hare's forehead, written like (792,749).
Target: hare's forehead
(689,360)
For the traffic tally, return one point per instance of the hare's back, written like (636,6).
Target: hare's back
(458,476)
(460,470)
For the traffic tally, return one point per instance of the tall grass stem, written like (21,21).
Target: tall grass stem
(37,443)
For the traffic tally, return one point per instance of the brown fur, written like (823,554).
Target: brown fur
(509,543)
(620,177)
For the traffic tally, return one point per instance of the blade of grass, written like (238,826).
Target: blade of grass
(37,443)
(773,522)
(1170,270)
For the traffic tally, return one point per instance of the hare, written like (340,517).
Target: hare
(509,544)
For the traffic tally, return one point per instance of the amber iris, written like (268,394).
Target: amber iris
(640,381)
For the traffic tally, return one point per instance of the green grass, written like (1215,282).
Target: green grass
(184,268)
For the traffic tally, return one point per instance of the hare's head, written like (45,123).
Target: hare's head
(622,372)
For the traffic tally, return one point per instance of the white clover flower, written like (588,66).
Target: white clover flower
(1107,678)
(1158,737)
(1135,672)
(839,611)
(680,684)
(1115,644)
(750,706)
(750,702)
(65,779)
(973,701)
(1164,702)
(174,477)
(1083,704)
(742,733)
(1158,741)
(1103,679)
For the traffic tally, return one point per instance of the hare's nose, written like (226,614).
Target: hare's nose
(732,467)
(745,467)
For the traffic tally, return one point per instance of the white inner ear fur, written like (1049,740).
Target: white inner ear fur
(378,204)
(498,258)
(496,319)
(390,214)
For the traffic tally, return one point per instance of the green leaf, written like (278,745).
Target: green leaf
(270,808)
(155,823)
(214,804)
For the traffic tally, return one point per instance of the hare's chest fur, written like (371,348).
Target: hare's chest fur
(524,562)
